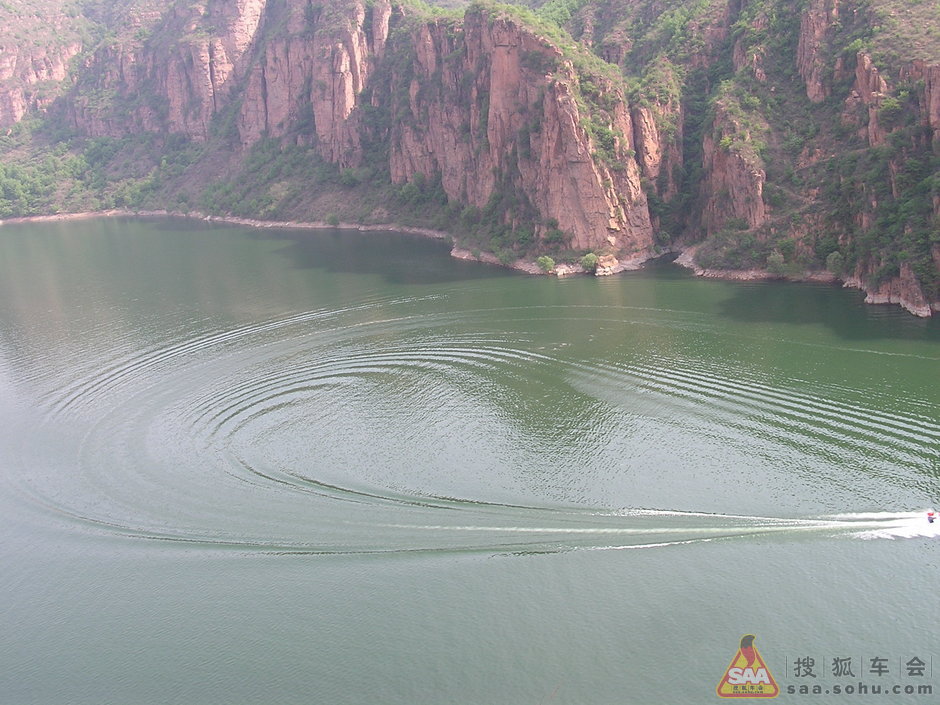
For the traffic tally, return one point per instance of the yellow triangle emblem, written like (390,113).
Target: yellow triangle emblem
(747,676)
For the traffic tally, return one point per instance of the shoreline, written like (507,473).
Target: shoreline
(686,255)
(873,298)
(528,267)
(684,259)
(228,220)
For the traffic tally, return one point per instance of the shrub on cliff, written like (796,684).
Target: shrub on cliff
(545,263)
(835,263)
(589,262)
(776,264)
(732,249)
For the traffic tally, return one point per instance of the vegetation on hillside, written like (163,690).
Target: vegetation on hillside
(700,67)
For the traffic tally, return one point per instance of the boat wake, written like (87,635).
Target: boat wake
(355,522)
(376,428)
(887,525)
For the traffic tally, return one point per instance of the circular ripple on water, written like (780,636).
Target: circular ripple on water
(315,431)
(375,428)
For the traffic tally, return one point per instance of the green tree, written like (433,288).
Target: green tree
(589,262)
(835,263)
(776,263)
(545,263)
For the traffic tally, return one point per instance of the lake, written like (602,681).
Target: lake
(246,466)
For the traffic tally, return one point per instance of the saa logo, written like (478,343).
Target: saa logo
(747,675)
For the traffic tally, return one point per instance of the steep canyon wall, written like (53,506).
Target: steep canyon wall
(512,123)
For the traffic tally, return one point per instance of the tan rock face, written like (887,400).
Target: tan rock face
(606,265)
(484,113)
(816,24)
(659,155)
(733,185)
(480,107)
(176,80)
(903,290)
(228,52)
(871,88)
(649,146)
(932,93)
(22,71)
(240,19)
(733,189)
(749,56)
(930,75)
(312,76)
(309,73)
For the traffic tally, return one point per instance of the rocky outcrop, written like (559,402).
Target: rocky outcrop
(309,78)
(816,25)
(472,103)
(31,77)
(38,43)
(659,155)
(867,97)
(172,75)
(649,145)
(930,75)
(484,112)
(733,189)
(870,88)
(733,186)
(289,68)
(750,56)
(904,290)
(864,99)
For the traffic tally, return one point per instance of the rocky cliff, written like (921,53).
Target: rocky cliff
(492,107)
(310,74)
(36,48)
(170,71)
(773,137)
(895,122)
(29,80)
(471,103)
(816,27)
(921,73)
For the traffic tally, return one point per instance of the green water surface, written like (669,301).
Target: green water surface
(273,466)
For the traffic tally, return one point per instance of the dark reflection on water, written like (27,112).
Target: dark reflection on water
(388,254)
(841,310)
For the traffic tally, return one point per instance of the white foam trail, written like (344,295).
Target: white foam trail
(890,525)
(651,545)
(878,516)
(864,525)
(748,517)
